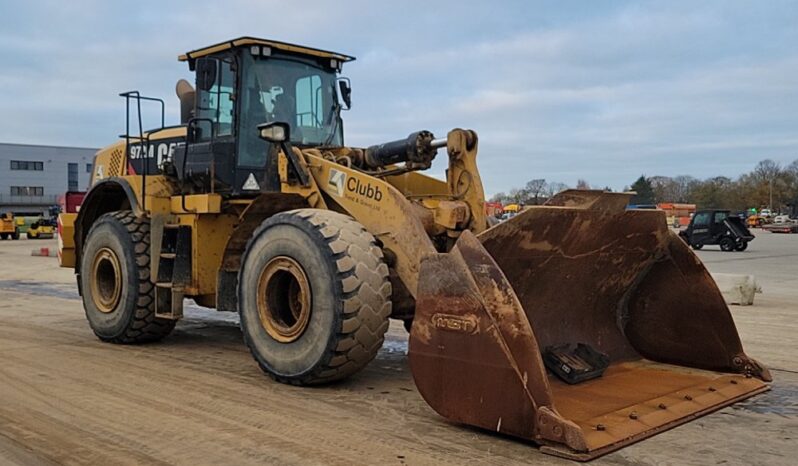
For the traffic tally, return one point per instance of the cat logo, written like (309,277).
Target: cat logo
(337,180)
(99,175)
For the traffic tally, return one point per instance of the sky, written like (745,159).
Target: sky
(599,90)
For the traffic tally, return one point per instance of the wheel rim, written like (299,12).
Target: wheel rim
(284,299)
(106,283)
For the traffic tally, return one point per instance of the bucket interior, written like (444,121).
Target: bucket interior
(493,309)
(627,287)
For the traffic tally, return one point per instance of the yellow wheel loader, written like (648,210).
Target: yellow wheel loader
(8,226)
(560,326)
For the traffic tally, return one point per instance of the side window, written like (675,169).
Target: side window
(216,104)
(72,177)
(309,108)
(702,219)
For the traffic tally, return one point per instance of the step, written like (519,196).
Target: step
(168,301)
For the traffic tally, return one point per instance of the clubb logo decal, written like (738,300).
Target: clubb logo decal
(337,181)
(341,184)
(354,185)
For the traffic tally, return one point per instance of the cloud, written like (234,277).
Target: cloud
(556,89)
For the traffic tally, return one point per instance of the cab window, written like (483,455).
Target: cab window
(216,104)
(720,217)
(309,112)
(702,219)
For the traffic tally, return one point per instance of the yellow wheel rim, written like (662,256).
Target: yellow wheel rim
(284,299)
(106,280)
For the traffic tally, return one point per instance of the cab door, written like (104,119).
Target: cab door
(211,139)
(701,228)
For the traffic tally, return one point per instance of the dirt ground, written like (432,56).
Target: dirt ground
(198,397)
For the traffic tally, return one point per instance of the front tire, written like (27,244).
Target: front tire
(741,245)
(118,296)
(727,244)
(697,246)
(15,235)
(314,296)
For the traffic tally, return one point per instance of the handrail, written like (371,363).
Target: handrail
(144,143)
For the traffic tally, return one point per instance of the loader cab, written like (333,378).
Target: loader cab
(248,82)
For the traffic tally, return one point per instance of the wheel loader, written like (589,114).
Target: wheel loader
(558,326)
(8,226)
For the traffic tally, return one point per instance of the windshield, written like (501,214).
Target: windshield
(290,91)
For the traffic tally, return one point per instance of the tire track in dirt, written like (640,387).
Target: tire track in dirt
(213,374)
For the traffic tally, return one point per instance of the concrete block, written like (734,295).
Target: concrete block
(736,288)
(46,252)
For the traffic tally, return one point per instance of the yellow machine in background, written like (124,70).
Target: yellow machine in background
(255,205)
(41,229)
(8,226)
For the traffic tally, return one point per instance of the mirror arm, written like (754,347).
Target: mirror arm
(304,179)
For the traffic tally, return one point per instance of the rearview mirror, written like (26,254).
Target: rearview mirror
(206,73)
(274,132)
(346,92)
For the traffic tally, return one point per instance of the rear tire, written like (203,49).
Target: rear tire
(697,246)
(741,246)
(3,235)
(314,296)
(726,244)
(15,235)
(118,296)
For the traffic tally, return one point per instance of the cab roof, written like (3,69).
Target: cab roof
(246,41)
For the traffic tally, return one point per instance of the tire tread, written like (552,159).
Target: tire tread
(366,294)
(144,326)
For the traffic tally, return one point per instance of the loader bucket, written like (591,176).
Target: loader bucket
(582,269)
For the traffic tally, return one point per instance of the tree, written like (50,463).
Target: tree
(499,197)
(644,191)
(792,194)
(717,192)
(582,184)
(768,185)
(535,190)
(517,196)
(663,187)
(555,187)
(682,187)
(767,171)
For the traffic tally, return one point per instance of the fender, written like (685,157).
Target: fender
(263,207)
(107,195)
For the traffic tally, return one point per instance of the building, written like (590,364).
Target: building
(32,177)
